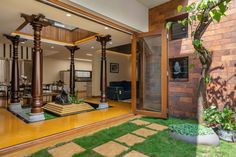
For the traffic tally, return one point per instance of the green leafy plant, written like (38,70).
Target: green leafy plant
(202,13)
(212,116)
(191,129)
(226,119)
(74,100)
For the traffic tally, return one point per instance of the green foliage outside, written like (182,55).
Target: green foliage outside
(191,129)
(201,14)
(158,145)
(225,119)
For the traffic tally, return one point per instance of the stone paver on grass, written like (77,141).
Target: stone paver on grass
(144,132)
(134,153)
(140,122)
(157,127)
(110,149)
(130,139)
(67,150)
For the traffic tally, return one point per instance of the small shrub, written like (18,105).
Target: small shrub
(191,129)
(212,116)
(226,119)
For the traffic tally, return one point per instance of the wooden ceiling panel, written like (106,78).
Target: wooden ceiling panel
(59,34)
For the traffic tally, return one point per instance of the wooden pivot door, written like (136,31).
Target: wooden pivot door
(151,67)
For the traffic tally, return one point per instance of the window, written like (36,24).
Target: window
(178,31)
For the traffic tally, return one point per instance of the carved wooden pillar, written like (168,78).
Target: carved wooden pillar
(103,79)
(72,50)
(15,68)
(37,22)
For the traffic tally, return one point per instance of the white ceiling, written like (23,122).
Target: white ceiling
(152,3)
(10,19)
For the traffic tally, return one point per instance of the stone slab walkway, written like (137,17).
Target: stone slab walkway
(110,149)
(115,147)
(67,150)
(134,153)
(144,132)
(130,139)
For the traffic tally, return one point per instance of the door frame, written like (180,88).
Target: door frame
(164,75)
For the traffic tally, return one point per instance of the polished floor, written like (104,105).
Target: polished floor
(14,131)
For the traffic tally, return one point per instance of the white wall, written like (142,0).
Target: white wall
(124,62)
(52,67)
(128,12)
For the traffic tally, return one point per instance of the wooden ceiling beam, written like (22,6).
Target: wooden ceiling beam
(89,16)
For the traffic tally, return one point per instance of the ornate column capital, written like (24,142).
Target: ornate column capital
(103,39)
(14,39)
(36,20)
(72,48)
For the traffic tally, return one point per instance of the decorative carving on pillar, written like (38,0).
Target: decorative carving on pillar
(15,40)
(103,79)
(72,50)
(37,22)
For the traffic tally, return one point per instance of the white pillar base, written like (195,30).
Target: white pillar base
(15,107)
(103,106)
(35,117)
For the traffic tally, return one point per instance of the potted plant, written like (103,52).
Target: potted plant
(223,122)
(227,130)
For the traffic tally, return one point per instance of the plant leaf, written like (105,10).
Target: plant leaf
(168,25)
(179,8)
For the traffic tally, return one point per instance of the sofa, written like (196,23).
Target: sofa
(119,90)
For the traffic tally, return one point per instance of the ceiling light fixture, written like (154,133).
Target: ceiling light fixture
(106,28)
(92,47)
(22,42)
(110,42)
(69,15)
(59,24)
(52,47)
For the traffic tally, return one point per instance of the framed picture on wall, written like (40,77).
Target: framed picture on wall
(114,68)
(179,69)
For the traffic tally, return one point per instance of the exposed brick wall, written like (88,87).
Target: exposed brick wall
(219,38)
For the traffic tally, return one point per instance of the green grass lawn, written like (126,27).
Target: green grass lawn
(157,145)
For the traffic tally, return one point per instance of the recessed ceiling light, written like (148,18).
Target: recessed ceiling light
(89,54)
(92,47)
(52,47)
(69,15)
(106,28)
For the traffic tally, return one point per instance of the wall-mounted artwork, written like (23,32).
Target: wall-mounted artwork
(114,68)
(179,69)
